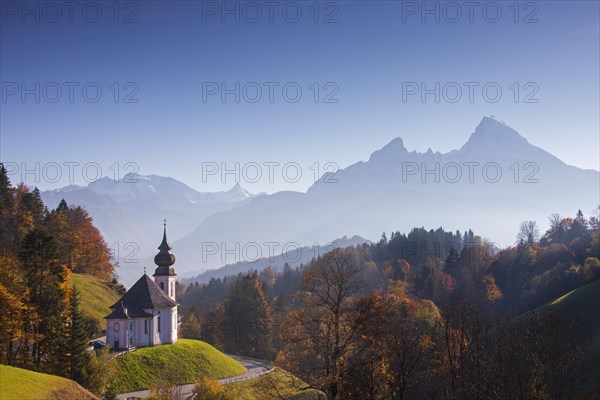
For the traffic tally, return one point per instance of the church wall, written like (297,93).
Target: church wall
(116,333)
(133,331)
(142,328)
(170,335)
(168,332)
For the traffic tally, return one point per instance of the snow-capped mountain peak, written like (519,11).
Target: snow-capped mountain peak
(493,132)
(238,190)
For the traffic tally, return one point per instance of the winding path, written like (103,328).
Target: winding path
(255,368)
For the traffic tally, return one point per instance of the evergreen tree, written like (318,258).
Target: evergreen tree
(48,281)
(62,206)
(31,203)
(247,313)
(452,260)
(7,238)
(6,197)
(458,241)
(79,358)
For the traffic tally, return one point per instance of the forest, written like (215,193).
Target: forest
(431,314)
(43,327)
(426,315)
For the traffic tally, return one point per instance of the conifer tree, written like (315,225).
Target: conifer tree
(48,281)
(247,313)
(77,341)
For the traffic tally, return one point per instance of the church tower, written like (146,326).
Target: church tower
(164,275)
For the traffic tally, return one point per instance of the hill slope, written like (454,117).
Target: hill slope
(184,362)
(96,298)
(275,385)
(22,384)
(581,303)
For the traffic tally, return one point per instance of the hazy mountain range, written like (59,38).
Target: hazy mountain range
(129,212)
(493,182)
(293,257)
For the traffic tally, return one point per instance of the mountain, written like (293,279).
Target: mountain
(129,212)
(293,257)
(490,184)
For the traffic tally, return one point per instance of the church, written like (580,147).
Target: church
(146,315)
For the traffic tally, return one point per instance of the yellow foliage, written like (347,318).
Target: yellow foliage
(210,389)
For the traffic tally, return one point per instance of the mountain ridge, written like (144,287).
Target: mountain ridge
(394,188)
(511,178)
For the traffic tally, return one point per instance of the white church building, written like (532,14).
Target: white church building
(146,315)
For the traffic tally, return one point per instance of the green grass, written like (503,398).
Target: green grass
(96,298)
(582,304)
(185,362)
(274,385)
(22,384)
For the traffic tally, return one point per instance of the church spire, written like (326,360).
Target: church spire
(164,246)
(164,259)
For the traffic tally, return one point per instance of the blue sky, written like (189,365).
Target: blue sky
(368,52)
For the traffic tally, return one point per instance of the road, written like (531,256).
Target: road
(255,368)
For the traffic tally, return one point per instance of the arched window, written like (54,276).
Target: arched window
(162,286)
(158,324)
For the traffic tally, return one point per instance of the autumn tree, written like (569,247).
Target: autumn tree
(210,389)
(80,244)
(247,314)
(191,327)
(320,336)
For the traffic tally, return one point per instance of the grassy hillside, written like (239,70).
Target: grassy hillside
(274,385)
(17,383)
(96,297)
(184,362)
(581,303)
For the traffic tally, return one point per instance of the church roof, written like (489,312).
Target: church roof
(143,294)
(120,312)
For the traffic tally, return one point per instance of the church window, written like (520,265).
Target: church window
(146,326)
(162,286)
(158,325)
